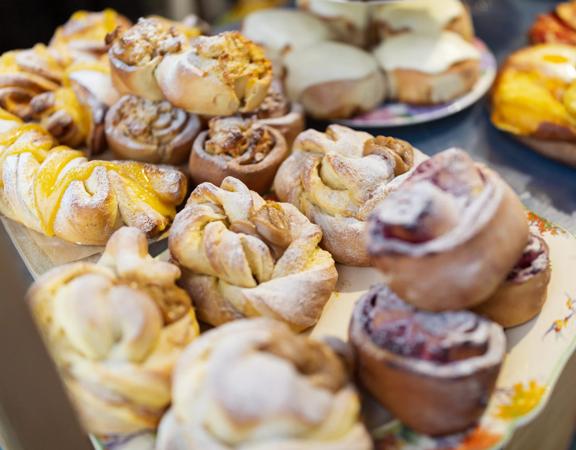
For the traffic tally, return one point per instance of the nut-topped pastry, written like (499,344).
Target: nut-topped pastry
(521,297)
(218,76)
(299,391)
(337,178)
(243,256)
(116,329)
(135,54)
(77,200)
(433,371)
(151,131)
(449,235)
(242,148)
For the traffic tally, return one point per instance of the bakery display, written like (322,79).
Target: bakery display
(58,192)
(556,27)
(115,329)
(449,235)
(243,256)
(433,371)
(428,69)
(337,178)
(150,131)
(521,297)
(228,73)
(534,99)
(242,148)
(299,392)
(422,17)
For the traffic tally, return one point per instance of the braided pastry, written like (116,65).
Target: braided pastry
(337,178)
(115,329)
(57,192)
(254,385)
(244,257)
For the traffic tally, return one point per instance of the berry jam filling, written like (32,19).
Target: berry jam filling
(441,338)
(533,261)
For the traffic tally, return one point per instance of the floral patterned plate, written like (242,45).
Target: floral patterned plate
(400,114)
(537,353)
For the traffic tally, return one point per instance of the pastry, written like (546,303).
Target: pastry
(57,192)
(82,37)
(557,27)
(449,235)
(278,112)
(135,54)
(242,148)
(255,385)
(337,178)
(426,69)
(243,256)
(521,297)
(333,80)
(422,17)
(218,76)
(151,131)
(349,21)
(116,329)
(191,26)
(534,99)
(280,31)
(433,371)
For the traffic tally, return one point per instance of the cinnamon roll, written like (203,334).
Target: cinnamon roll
(243,256)
(433,371)
(82,37)
(151,131)
(337,178)
(521,297)
(449,235)
(218,76)
(115,329)
(237,147)
(135,54)
(255,385)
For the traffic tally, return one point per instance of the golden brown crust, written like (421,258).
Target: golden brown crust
(300,393)
(246,257)
(458,234)
(115,329)
(241,148)
(150,131)
(228,74)
(440,391)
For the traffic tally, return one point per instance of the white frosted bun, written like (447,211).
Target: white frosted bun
(419,15)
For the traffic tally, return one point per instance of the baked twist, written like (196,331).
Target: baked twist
(115,329)
(243,257)
(254,385)
(337,178)
(58,192)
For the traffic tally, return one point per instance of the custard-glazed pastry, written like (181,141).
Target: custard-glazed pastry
(58,192)
(433,371)
(217,76)
(255,385)
(243,256)
(82,37)
(449,235)
(337,178)
(135,54)
(242,148)
(151,131)
(115,329)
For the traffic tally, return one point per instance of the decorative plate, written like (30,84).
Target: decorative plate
(400,114)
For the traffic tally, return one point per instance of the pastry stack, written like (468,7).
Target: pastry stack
(347,57)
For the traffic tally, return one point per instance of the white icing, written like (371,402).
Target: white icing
(325,62)
(419,15)
(280,29)
(428,53)
(557,61)
(354,12)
